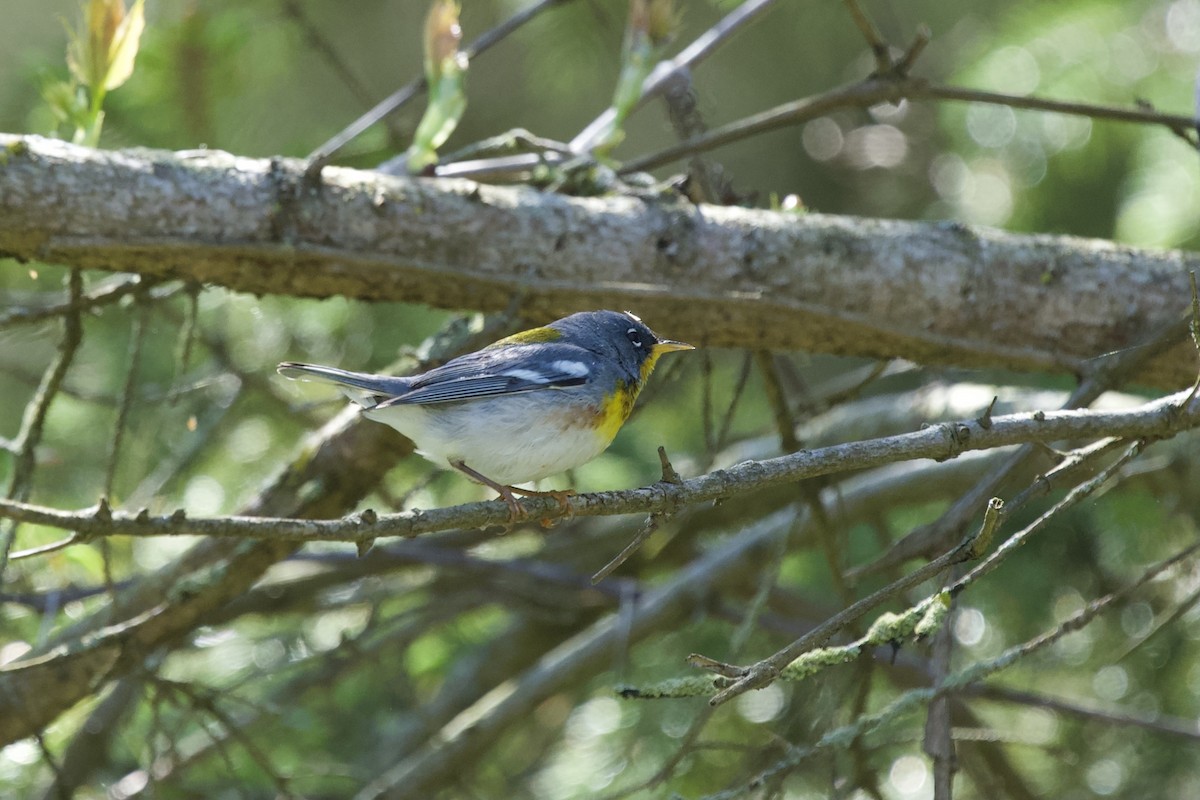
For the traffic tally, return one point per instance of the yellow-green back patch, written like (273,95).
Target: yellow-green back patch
(531,336)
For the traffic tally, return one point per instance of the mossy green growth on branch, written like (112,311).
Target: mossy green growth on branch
(916,623)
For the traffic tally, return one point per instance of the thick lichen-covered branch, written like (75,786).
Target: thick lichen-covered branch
(929,292)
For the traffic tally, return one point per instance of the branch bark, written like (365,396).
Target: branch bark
(930,292)
(1158,419)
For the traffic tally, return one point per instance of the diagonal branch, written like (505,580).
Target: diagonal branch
(34,421)
(962,679)
(460,742)
(892,88)
(667,71)
(320,157)
(764,671)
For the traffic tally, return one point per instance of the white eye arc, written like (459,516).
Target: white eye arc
(634,336)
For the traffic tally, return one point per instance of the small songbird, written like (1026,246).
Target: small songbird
(534,404)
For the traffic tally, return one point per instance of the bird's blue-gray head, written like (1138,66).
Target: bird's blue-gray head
(619,335)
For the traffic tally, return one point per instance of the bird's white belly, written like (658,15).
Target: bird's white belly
(510,440)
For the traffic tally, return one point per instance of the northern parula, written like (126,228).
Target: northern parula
(534,404)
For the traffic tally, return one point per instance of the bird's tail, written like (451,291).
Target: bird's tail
(365,389)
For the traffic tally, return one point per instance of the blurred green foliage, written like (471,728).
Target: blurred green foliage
(330,687)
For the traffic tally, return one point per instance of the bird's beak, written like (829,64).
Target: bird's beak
(669,346)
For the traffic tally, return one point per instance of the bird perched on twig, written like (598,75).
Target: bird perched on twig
(534,404)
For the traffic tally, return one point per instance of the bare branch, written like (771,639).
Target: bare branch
(106,294)
(939,738)
(866,26)
(320,157)
(34,421)
(1102,375)
(960,680)
(763,672)
(666,71)
(889,88)
(1156,723)
(1158,419)
(455,744)
(324,47)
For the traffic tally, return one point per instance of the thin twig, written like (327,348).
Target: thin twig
(1074,497)
(764,672)
(669,476)
(137,338)
(34,421)
(1183,607)
(321,156)
(958,681)
(706,407)
(879,48)
(785,422)
(206,700)
(915,48)
(1158,419)
(939,739)
(1103,374)
(666,74)
(1161,724)
(876,90)
(45,549)
(321,44)
(738,388)
(106,294)
(187,336)
(703,46)
(645,532)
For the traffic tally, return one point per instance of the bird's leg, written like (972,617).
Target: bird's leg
(560,495)
(516,510)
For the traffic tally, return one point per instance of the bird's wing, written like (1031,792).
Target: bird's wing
(500,371)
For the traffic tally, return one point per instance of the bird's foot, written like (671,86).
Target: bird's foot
(516,511)
(562,496)
(508,494)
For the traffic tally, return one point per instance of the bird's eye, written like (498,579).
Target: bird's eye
(635,336)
